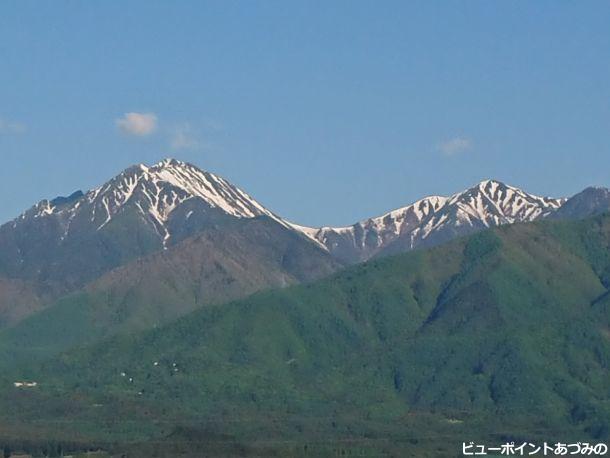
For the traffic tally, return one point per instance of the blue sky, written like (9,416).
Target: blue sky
(326,111)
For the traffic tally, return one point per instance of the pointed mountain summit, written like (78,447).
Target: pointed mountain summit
(433,220)
(146,247)
(156,194)
(60,244)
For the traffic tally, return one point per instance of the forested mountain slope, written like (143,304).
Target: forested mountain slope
(504,334)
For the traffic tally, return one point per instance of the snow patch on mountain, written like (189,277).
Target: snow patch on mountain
(489,203)
(156,192)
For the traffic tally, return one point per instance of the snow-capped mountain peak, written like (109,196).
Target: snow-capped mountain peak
(154,192)
(434,219)
(492,203)
(170,182)
(173,199)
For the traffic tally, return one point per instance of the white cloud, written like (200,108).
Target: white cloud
(138,124)
(11,127)
(455,146)
(183,138)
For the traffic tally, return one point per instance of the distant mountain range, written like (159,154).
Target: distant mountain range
(433,220)
(145,299)
(60,245)
(501,335)
(169,211)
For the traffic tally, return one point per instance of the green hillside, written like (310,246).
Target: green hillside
(215,266)
(501,336)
